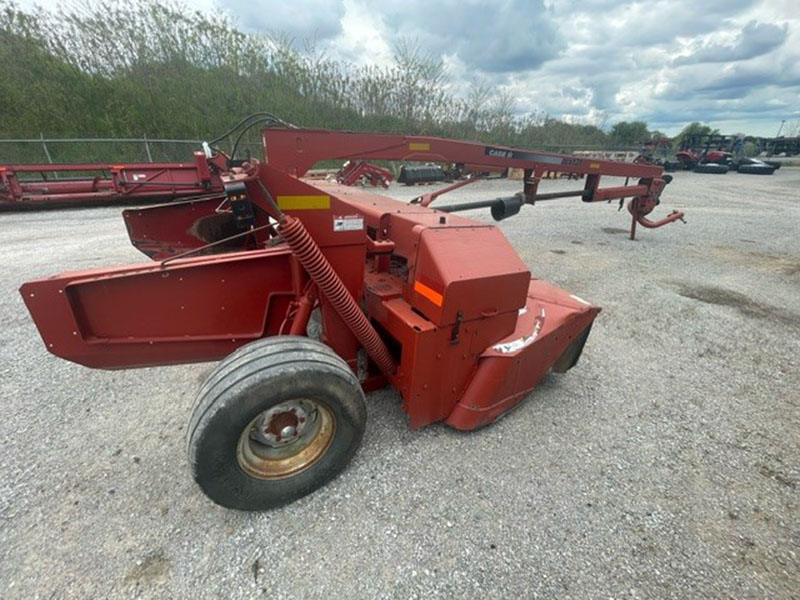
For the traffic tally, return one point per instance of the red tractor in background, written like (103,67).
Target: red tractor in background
(655,152)
(355,172)
(705,154)
(715,153)
(719,154)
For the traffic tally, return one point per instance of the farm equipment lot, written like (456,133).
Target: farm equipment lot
(666,465)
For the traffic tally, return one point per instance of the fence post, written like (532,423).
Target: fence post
(47,154)
(147,148)
(44,146)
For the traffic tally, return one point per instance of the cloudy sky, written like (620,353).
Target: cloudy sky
(734,64)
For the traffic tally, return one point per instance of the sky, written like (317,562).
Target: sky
(734,64)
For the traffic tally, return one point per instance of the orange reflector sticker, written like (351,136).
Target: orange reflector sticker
(430,294)
(594,165)
(419,146)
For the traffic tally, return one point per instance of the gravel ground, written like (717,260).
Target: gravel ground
(666,464)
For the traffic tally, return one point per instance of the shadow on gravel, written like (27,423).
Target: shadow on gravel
(744,304)
(784,264)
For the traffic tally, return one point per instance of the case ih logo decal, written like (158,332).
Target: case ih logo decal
(499,153)
(522,155)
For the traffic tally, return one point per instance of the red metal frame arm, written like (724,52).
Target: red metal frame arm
(295,151)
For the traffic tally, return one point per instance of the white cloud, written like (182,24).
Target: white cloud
(755,39)
(664,61)
(313,19)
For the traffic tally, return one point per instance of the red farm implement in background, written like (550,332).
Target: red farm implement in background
(38,186)
(360,171)
(311,293)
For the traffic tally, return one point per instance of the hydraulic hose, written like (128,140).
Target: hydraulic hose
(257,115)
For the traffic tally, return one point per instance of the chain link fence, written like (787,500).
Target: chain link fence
(43,150)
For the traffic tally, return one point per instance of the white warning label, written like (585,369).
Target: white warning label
(348,223)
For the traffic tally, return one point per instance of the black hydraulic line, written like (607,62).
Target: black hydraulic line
(247,119)
(245,130)
(467,205)
(555,195)
(530,200)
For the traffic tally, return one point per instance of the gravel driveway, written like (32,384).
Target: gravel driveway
(666,464)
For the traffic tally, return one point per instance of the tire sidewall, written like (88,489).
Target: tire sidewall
(213,447)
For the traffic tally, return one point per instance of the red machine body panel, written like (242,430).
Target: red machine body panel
(165,230)
(552,324)
(197,309)
(465,274)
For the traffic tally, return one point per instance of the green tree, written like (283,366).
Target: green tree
(695,129)
(631,133)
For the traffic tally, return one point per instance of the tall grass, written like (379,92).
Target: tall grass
(124,69)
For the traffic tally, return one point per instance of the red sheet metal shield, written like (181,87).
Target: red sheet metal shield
(168,229)
(550,334)
(191,310)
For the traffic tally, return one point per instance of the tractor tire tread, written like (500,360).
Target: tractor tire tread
(260,351)
(756,170)
(714,169)
(256,376)
(245,354)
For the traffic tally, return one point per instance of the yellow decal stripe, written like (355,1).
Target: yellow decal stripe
(304,202)
(428,293)
(594,165)
(419,146)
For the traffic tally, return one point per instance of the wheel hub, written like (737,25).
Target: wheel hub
(285,439)
(284,424)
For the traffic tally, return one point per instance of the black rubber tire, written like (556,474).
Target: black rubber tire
(762,169)
(256,377)
(711,168)
(774,163)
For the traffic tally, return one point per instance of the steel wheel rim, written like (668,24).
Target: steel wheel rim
(267,449)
